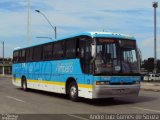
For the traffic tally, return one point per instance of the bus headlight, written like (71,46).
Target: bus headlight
(102,83)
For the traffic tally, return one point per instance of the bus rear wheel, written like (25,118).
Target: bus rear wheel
(73,91)
(24,84)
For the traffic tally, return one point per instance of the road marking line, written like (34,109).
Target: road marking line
(77,117)
(147,109)
(15,99)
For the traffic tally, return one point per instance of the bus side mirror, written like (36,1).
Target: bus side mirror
(93,47)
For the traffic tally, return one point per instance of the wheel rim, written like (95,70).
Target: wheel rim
(73,91)
(24,86)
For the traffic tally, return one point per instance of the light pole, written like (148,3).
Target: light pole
(45,38)
(155,5)
(3,57)
(54,28)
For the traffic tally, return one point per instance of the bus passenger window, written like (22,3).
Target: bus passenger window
(58,50)
(15,56)
(23,56)
(29,53)
(70,48)
(37,51)
(47,52)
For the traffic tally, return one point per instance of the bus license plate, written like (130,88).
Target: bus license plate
(121,90)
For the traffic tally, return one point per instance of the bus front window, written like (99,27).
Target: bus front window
(107,60)
(115,56)
(129,60)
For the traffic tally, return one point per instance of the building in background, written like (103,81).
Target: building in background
(7,65)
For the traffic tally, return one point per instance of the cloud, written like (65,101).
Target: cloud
(147,47)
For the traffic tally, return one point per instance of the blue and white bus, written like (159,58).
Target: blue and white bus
(89,65)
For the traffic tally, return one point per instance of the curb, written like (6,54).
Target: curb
(5,76)
(151,83)
(154,90)
(150,90)
(150,86)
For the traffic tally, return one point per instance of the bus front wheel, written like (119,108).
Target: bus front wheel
(24,84)
(73,91)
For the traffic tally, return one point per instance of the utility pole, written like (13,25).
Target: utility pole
(3,57)
(45,38)
(155,5)
(28,21)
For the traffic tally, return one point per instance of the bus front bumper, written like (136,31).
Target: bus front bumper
(110,91)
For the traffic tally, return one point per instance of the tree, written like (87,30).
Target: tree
(158,66)
(148,64)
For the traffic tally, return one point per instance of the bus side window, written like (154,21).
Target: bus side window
(15,56)
(23,55)
(29,53)
(19,56)
(70,48)
(58,50)
(37,53)
(47,51)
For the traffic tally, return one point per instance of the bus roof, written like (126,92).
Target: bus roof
(91,34)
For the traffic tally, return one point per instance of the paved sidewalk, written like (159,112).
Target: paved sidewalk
(150,86)
(5,76)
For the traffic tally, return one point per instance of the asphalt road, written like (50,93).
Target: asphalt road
(14,100)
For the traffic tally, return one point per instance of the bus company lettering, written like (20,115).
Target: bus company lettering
(64,68)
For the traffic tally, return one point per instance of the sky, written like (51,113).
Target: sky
(132,17)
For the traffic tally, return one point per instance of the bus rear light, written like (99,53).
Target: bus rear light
(102,83)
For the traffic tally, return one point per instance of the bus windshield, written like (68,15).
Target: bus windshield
(116,56)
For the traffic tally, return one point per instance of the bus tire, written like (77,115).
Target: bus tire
(24,84)
(73,91)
